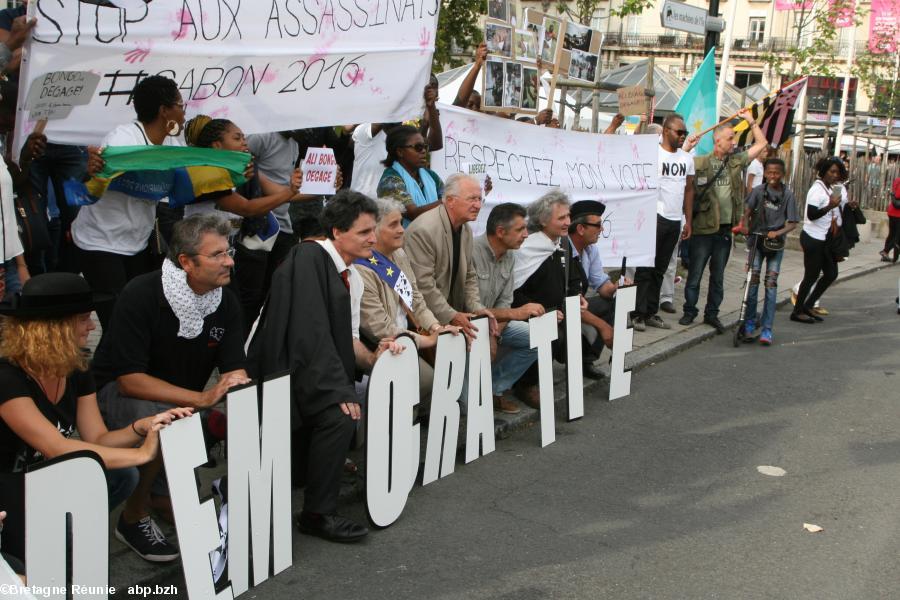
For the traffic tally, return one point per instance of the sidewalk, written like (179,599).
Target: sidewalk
(651,346)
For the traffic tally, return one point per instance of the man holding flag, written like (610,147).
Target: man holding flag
(718,206)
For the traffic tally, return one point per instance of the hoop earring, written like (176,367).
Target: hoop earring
(174,128)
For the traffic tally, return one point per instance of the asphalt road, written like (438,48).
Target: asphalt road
(658,495)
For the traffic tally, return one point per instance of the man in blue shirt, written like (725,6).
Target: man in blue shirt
(599,289)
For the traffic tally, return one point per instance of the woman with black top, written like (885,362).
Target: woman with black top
(47,393)
(248,207)
(822,223)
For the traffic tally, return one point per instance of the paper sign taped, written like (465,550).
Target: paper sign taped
(319,172)
(632,100)
(53,95)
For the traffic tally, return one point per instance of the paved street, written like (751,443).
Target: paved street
(658,495)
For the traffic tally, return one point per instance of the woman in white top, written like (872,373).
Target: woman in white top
(822,214)
(112,234)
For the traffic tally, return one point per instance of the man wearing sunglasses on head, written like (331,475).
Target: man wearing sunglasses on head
(673,205)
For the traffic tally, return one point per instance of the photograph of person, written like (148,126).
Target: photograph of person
(583,65)
(529,88)
(551,38)
(578,37)
(525,45)
(512,85)
(498,9)
(498,37)
(493,83)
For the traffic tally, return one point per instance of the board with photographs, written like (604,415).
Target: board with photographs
(558,40)
(510,86)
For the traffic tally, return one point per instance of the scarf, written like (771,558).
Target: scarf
(416,193)
(531,256)
(190,308)
(391,274)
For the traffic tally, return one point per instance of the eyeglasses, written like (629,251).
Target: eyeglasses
(417,147)
(680,132)
(219,256)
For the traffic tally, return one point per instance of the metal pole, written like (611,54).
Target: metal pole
(712,37)
(846,92)
(726,54)
(828,112)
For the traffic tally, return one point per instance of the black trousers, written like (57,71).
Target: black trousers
(649,279)
(892,241)
(319,452)
(248,281)
(107,273)
(817,259)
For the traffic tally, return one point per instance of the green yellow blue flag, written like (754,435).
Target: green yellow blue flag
(698,103)
(179,173)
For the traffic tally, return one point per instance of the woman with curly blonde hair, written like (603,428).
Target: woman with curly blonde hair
(47,393)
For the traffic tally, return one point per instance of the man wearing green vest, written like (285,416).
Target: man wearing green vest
(718,206)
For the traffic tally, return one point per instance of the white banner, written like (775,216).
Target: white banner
(525,161)
(268,65)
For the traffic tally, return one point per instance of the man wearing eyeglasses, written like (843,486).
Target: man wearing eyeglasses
(674,204)
(169,330)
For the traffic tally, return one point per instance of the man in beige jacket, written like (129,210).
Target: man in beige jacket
(439,246)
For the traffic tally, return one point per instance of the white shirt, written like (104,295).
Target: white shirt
(674,167)
(117,222)
(356,283)
(368,152)
(819,196)
(755,168)
(12,244)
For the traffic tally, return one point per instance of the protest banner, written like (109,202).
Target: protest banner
(319,172)
(525,161)
(269,65)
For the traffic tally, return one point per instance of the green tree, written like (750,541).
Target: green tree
(458,32)
(877,72)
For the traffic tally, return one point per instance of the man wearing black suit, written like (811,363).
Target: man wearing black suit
(311,327)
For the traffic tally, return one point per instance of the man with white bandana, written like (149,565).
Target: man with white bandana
(168,332)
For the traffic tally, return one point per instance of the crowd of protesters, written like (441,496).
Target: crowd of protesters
(322,286)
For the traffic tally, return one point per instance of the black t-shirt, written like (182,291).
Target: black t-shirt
(143,338)
(15,454)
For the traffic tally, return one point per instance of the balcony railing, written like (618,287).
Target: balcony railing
(680,41)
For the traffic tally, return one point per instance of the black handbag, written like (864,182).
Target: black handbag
(31,220)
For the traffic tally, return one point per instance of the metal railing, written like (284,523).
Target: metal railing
(681,41)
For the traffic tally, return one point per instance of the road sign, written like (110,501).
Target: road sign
(683,17)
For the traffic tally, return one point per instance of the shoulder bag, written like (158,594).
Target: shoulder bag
(705,188)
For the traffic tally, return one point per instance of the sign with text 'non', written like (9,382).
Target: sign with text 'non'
(267,65)
(526,161)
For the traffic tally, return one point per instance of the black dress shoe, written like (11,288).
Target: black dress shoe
(802,318)
(333,528)
(715,323)
(812,315)
(591,371)
(685,320)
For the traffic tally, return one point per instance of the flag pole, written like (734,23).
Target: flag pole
(726,119)
(726,55)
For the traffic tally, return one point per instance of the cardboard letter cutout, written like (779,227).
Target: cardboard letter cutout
(392,443)
(443,425)
(259,482)
(543,333)
(46,509)
(480,408)
(574,376)
(183,450)
(619,378)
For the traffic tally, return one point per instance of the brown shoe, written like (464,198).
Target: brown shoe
(530,395)
(502,404)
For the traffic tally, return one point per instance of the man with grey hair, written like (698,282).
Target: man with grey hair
(169,330)
(718,207)
(439,244)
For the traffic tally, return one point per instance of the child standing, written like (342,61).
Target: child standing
(771,212)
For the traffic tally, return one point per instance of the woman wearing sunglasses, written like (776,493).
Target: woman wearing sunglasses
(406,178)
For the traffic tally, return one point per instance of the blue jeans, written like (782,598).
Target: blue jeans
(120,483)
(11,279)
(773,267)
(712,248)
(518,356)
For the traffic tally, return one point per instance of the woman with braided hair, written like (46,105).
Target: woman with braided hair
(248,207)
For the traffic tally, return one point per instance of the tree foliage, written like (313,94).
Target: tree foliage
(458,32)
(583,11)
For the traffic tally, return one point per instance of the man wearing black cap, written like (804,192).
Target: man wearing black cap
(585,230)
